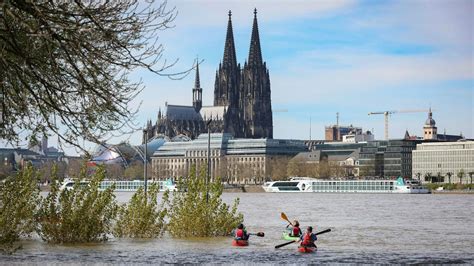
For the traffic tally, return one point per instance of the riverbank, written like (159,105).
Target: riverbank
(227,189)
(455,191)
(243,188)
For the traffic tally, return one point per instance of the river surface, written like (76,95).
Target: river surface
(366,228)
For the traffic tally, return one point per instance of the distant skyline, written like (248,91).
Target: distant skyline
(351,57)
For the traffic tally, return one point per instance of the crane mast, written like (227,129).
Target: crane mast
(387,113)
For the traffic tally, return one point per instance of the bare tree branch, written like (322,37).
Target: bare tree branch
(64,65)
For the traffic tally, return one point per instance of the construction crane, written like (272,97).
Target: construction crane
(387,113)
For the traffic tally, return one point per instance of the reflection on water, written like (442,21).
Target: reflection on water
(367,228)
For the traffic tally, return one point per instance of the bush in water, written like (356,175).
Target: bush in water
(190,214)
(80,215)
(142,218)
(19,197)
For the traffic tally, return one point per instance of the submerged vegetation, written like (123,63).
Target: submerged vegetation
(85,214)
(194,212)
(80,215)
(142,218)
(19,198)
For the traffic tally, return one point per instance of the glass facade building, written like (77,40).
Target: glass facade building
(387,158)
(442,158)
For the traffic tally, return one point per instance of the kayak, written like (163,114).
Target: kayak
(240,243)
(306,249)
(286,236)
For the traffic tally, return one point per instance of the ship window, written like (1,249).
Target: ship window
(285,184)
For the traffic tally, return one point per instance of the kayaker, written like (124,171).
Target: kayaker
(241,233)
(295,231)
(308,238)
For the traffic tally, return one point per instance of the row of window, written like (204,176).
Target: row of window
(202,153)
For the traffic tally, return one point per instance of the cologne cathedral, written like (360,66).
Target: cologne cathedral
(242,99)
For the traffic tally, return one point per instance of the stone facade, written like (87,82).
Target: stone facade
(242,98)
(233,160)
(430,129)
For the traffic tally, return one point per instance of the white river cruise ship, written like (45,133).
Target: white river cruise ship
(122,185)
(305,184)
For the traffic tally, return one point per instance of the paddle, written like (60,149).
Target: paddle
(260,234)
(284,217)
(287,243)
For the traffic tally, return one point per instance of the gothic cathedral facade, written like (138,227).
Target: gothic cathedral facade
(242,98)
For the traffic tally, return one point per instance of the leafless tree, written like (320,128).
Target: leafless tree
(278,168)
(45,170)
(74,166)
(115,171)
(296,167)
(64,65)
(135,171)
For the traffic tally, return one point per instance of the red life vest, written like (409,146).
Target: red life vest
(239,233)
(296,231)
(307,240)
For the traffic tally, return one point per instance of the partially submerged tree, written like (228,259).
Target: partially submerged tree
(194,214)
(141,217)
(19,197)
(80,215)
(64,65)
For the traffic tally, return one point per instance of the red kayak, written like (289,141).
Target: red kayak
(306,249)
(240,243)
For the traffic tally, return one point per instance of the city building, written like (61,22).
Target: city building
(242,98)
(233,160)
(37,154)
(387,158)
(343,164)
(337,132)
(123,154)
(451,160)
(430,131)
(354,137)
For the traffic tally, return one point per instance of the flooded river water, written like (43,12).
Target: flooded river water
(366,228)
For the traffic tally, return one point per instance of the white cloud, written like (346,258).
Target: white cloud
(447,24)
(362,72)
(211,13)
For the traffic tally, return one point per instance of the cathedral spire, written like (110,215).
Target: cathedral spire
(197,91)
(197,82)
(230,59)
(255,53)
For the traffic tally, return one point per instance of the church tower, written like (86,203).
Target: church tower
(228,75)
(255,102)
(226,88)
(197,91)
(430,129)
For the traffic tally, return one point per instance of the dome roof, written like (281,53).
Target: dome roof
(430,122)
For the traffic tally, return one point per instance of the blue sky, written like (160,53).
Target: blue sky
(324,57)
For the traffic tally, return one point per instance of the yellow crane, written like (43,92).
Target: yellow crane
(387,113)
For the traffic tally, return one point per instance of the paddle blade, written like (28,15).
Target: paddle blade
(260,234)
(324,231)
(284,244)
(284,217)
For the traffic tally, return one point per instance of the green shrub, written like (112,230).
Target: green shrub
(83,214)
(19,197)
(191,214)
(432,186)
(447,186)
(142,218)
